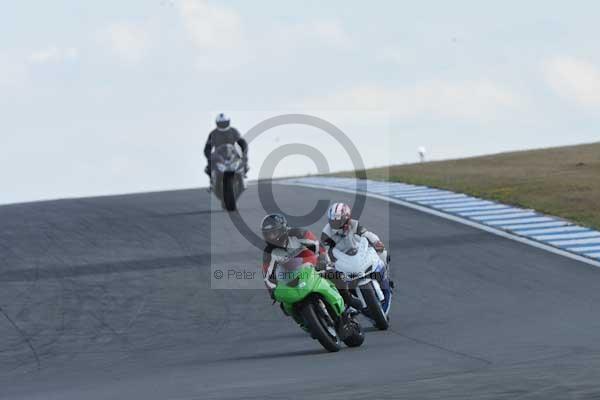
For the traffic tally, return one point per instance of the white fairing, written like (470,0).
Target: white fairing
(355,266)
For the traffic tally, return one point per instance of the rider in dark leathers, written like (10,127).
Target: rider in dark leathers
(224,134)
(283,242)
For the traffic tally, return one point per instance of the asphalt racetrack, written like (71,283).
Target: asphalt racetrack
(110,298)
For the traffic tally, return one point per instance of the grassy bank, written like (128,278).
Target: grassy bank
(562,181)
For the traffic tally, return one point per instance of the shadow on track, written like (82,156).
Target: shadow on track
(191,213)
(72,271)
(282,336)
(273,356)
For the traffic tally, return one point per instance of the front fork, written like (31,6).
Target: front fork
(376,286)
(382,283)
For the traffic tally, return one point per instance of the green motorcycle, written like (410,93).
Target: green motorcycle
(315,303)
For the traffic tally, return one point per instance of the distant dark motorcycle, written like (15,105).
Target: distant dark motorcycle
(227,175)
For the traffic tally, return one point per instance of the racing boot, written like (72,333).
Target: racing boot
(347,325)
(352,303)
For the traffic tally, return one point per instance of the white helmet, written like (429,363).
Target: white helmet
(339,215)
(222,121)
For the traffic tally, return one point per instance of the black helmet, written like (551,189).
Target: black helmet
(222,121)
(274,228)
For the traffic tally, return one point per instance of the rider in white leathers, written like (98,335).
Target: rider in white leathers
(341,230)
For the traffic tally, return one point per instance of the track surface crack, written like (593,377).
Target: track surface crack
(458,353)
(24,337)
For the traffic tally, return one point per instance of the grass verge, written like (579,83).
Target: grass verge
(562,181)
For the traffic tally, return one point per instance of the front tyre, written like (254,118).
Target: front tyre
(320,326)
(229,189)
(374,306)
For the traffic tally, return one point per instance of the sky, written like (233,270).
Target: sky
(118,96)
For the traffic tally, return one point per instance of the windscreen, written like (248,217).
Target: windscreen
(225,153)
(288,271)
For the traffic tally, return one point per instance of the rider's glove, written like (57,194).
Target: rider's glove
(245,161)
(379,246)
(322,262)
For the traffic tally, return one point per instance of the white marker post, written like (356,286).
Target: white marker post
(422,151)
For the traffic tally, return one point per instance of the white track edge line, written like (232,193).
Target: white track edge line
(458,219)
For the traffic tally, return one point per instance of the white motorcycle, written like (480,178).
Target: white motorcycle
(367,276)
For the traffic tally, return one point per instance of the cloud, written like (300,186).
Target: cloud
(53,54)
(330,33)
(223,44)
(480,99)
(129,42)
(392,54)
(210,26)
(574,79)
(18,67)
(13,71)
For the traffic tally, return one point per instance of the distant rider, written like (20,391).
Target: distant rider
(283,243)
(224,134)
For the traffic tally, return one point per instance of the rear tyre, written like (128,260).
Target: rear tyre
(229,196)
(376,313)
(319,328)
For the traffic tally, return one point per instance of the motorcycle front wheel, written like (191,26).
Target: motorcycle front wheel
(320,326)
(229,189)
(374,306)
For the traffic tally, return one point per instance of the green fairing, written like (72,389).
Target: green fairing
(310,282)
